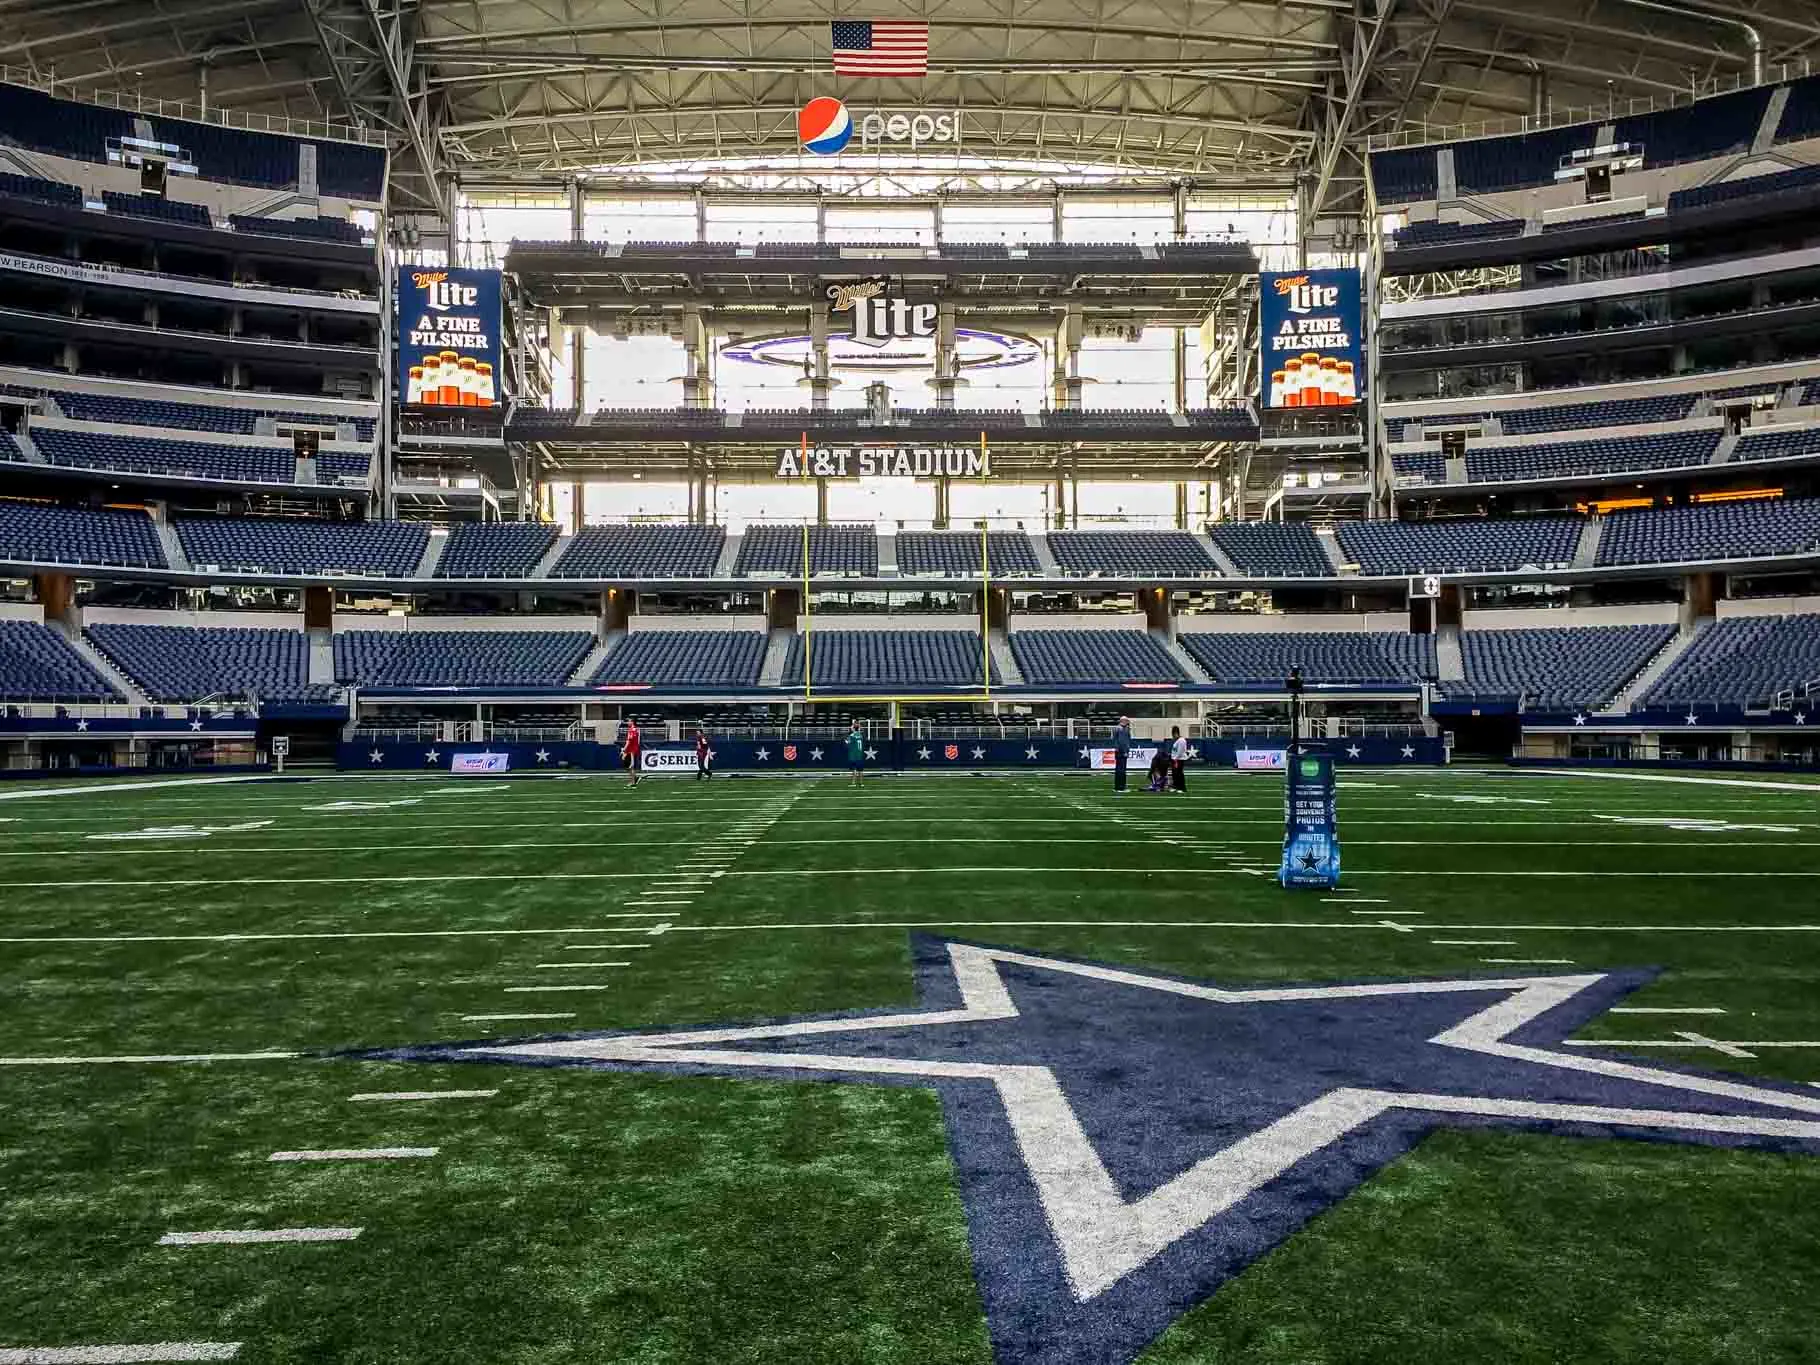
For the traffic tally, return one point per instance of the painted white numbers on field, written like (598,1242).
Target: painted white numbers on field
(1688,824)
(184,831)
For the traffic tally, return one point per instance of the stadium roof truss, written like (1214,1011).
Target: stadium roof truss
(1206,88)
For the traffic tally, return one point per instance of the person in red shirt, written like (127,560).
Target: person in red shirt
(704,757)
(630,753)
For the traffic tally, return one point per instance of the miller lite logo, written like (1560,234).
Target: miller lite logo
(1304,297)
(877,318)
(442,292)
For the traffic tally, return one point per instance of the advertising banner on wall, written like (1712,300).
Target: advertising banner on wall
(1311,329)
(449,338)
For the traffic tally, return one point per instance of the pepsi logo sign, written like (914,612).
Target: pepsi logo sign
(824,125)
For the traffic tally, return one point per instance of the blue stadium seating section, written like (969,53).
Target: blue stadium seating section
(1559,668)
(32,187)
(1616,412)
(79,406)
(1725,530)
(1397,547)
(1749,187)
(1079,658)
(956,554)
(33,533)
(337,230)
(688,660)
(67,128)
(81,132)
(1324,656)
(1604,455)
(38,664)
(1801,115)
(635,552)
(1270,549)
(181,663)
(339,466)
(390,549)
(500,549)
(1714,127)
(182,459)
(1430,466)
(1491,165)
(1165,554)
(1743,661)
(778,550)
(887,658)
(1776,443)
(163,210)
(1435,233)
(460,658)
(1405,175)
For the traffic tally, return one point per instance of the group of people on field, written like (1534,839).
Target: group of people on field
(632,749)
(1168,763)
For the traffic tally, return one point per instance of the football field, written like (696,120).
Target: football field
(277,1080)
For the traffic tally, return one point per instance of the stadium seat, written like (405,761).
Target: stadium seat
(1257,658)
(1556,668)
(1742,661)
(459,658)
(683,660)
(36,533)
(887,658)
(635,552)
(184,663)
(500,549)
(777,551)
(1072,658)
(1726,530)
(1165,554)
(389,549)
(1399,547)
(956,554)
(38,664)
(1269,549)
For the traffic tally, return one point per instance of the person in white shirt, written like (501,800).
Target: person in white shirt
(1178,760)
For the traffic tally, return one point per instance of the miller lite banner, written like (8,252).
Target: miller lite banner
(448,338)
(1311,328)
(878,317)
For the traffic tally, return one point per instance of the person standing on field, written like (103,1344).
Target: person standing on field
(1121,753)
(1178,760)
(856,753)
(704,756)
(632,752)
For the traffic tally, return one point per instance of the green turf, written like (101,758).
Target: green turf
(595,1217)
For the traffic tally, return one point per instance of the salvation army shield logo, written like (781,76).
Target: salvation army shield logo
(1125,1142)
(789,753)
(953,751)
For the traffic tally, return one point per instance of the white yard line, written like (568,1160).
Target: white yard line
(351,933)
(502,1018)
(1529,961)
(119,1355)
(1665,1009)
(376,1096)
(356,1154)
(150,1058)
(248,1237)
(561,966)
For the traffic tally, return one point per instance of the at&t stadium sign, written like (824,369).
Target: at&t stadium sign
(883,462)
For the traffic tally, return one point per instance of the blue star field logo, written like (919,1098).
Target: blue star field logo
(1127,1142)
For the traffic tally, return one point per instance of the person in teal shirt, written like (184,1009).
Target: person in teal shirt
(856,752)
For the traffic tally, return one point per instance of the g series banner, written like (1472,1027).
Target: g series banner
(448,338)
(1312,333)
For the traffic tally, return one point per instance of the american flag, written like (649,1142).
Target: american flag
(881,47)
